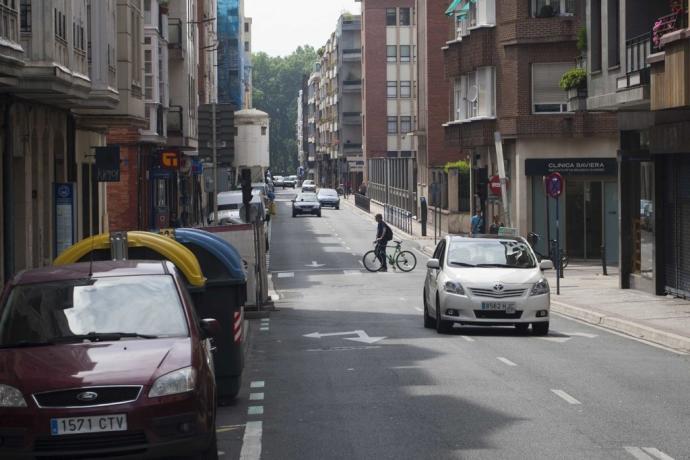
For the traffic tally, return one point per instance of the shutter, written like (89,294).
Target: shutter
(677,224)
(545,83)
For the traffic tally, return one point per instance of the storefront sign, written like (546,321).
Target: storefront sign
(108,163)
(572,166)
(63,197)
(170,160)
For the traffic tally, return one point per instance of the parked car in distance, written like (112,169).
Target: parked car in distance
(486,281)
(105,359)
(328,197)
(306,203)
(290,181)
(230,204)
(308,188)
(278,181)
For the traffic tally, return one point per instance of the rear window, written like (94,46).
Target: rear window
(148,305)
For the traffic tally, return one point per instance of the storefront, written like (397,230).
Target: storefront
(588,208)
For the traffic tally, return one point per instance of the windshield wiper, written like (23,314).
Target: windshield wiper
(27,344)
(462,264)
(102,337)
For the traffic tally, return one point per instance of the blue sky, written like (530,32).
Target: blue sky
(279,26)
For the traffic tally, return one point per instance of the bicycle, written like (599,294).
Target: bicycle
(533,239)
(404,260)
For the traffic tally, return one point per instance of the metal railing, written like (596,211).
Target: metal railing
(363,202)
(398,217)
(636,51)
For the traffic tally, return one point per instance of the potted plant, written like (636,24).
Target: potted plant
(574,81)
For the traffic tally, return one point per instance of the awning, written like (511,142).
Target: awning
(461,11)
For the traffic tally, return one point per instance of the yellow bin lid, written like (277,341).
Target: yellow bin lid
(183,258)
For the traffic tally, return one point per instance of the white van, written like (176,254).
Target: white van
(230,204)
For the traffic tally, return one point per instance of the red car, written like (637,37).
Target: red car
(105,359)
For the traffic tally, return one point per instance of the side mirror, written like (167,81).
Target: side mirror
(546,264)
(209,328)
(433,264)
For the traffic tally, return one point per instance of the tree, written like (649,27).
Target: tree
(277,81)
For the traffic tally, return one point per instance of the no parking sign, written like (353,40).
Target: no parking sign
(554,185)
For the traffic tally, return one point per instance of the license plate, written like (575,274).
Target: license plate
(499,306)
(94,424)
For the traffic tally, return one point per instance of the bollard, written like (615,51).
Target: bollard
(603,259)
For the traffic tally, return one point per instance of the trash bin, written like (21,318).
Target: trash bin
(223,298)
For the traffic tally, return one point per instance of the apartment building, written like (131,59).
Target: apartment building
(313,121)
(50,65)
(231,52)
(389,94)
(247,49)
(329,122)
(505,61)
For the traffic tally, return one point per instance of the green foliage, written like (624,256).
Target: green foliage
(582,40)
(575,78)
(463,166)
(277,80)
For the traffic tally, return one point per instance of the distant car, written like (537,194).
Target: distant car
(486,281)
(306,203)
(308,188)
(290,181)
(329,197)
(278,181)
(105,360)
(230,203)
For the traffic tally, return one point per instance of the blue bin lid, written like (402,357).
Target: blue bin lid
(225,252)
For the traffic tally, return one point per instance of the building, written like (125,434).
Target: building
(52,66)
(302,125)
(313,120)
(505,61)
(231,88)
(328,125)
(389,95)
(247,79)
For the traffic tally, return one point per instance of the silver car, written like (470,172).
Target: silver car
(486,281)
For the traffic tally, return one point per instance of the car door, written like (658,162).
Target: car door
(432,273)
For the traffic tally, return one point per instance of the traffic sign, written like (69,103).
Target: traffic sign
(495,185)
(554,185)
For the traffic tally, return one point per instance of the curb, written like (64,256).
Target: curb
(666,339)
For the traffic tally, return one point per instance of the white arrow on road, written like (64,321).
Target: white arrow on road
(361,336)
(581,334)
(315,265)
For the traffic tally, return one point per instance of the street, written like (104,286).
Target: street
(344,369)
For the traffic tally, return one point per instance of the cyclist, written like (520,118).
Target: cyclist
(383,235)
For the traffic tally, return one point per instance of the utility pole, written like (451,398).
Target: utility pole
(215,163)
(502,176)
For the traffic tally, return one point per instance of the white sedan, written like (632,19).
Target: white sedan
(486,281)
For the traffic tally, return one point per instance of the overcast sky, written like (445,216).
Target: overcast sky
(280,26)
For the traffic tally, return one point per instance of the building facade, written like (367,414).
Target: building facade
(389,92)
(313,120)
(231,88)
(505,62)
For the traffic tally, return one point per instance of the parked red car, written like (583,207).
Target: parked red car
(105,359)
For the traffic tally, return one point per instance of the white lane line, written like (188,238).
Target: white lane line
(506,361)
(256,396)
(657,453)
(638,453)
(419,309)
(565,396)
(257,384)
(355,254)
(255,410)
(352,272)
(467,339)
(286,275)
(251,443)
(348,248)
(264,329)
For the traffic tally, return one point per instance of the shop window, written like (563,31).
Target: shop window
(547,95)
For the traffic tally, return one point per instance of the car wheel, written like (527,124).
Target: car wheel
(318,214)
(337,207)
(522,327)
(211,452)
(428,320)
(442,326)
(294,214)
(540,328)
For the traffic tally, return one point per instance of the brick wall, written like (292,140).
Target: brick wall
(122,196)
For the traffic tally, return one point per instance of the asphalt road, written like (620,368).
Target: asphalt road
(400,391)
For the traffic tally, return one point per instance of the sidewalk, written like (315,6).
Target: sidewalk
(589,296)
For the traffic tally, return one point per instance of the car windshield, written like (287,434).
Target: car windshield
(328,192)
(490,253)
(57,311)
(307,197)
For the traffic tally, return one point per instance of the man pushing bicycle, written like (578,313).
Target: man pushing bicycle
(383,235)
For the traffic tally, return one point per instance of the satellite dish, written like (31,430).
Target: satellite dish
(472,93)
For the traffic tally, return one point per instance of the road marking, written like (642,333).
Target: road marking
(349,249)
(257,384)
(251,443)
(362,336)
(314,264)
(506,361)
(352,272)
(256,396)
(286,275)
(406,367)
(355,254)
(581,334)
(467,339)
(226,428)
(419,309)
(264,329)
(255,410)
(566,397)
(344,348)
(554,339)
(361,263)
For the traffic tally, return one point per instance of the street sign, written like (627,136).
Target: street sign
(64,215)
(554,185)
(170,160)
(108,163)
(495,185)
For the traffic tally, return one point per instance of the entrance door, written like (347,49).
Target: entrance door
(592,219)
(611,222)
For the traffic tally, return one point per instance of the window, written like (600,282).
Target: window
(547,95)
(391,53)
(9,20)
(595,45)
(550,8)
(390,17)
(404,16)
(405,89)
(405,53)
(25,15)
(613,35)
(392,89)
(246,47)
(405,124)
(392,125)
(474,94)
(246,27)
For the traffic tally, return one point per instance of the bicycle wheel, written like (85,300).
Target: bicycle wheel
(371,262)
(406,261)
(564,260)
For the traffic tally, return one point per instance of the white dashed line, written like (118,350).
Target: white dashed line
(264,329)
(257,384)
(647,453)
(467,339)
(286,275)
(256,396)
(506,361)
(419,309)
(251,443)
(255,410)
(349,249)
(565,396)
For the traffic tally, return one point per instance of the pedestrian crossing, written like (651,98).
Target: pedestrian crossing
(647,453)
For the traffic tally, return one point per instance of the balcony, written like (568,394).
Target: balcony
(176,39)
(175,121)
(632,89)
(352,118)
(352,86)
(11,51)
(475,50)
(352,55)
(349,147)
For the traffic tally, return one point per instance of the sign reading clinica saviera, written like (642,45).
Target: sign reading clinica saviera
(571,166)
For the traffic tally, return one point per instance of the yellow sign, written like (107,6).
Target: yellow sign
(170,160)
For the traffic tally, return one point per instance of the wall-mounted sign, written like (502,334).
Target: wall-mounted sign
(108,163)
(572,166)
(170,160)
(63,199)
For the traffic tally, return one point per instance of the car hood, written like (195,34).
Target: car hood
(489,276)
(125,362)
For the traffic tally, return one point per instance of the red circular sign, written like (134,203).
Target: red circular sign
(554,185)
(495,185)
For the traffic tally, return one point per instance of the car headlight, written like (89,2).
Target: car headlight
(453,287)
(540,287)
(176,382)
(11,397)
